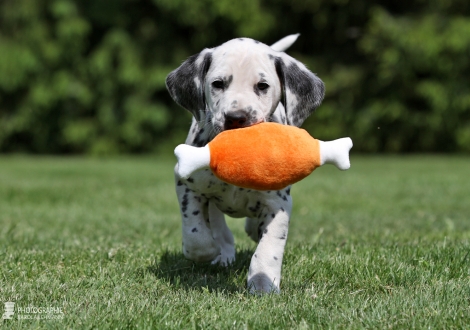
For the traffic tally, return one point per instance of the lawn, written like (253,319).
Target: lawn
(383,245)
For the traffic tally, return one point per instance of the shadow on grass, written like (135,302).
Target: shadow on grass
(189,275)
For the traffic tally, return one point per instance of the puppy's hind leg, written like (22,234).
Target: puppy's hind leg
(222,235)
(252,228)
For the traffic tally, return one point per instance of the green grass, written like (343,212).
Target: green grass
(383,245)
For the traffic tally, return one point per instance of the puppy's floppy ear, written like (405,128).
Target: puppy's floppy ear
(302,91)
(186,84)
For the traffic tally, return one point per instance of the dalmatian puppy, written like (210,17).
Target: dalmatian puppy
(237,84)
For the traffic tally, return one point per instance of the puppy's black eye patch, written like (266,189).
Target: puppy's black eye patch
(218,84)
(262,86)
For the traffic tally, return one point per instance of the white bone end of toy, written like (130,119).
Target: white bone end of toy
(191,159)
(336,152)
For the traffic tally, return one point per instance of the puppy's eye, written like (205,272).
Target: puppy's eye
(262,86)
(218,84)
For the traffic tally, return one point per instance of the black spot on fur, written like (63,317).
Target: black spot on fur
(194,230)
(256,207)
(229,210)
(186,190)
(288,191)
(179,183)
(282,209)
(260,228)
(200,143)
(284,197)
(275,258)
(256,90)
(190,180)
(184,203)
(227,81)
(196,212)
(199,140)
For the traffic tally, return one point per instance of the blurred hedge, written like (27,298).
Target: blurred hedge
(87,76)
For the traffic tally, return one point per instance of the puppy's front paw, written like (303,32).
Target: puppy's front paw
(261,283)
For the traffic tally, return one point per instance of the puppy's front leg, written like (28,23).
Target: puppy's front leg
(198,243)
(265,269)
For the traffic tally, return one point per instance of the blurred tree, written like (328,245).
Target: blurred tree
(88,76)
(421,90)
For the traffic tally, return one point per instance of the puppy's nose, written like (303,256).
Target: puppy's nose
(235,119)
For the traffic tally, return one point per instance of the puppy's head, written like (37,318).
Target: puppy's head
(242,82)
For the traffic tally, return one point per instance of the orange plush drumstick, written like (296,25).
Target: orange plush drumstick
(266,156)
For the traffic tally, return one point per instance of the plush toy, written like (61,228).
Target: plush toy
(266,156)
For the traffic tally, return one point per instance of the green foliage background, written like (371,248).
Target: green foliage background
(87,76)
